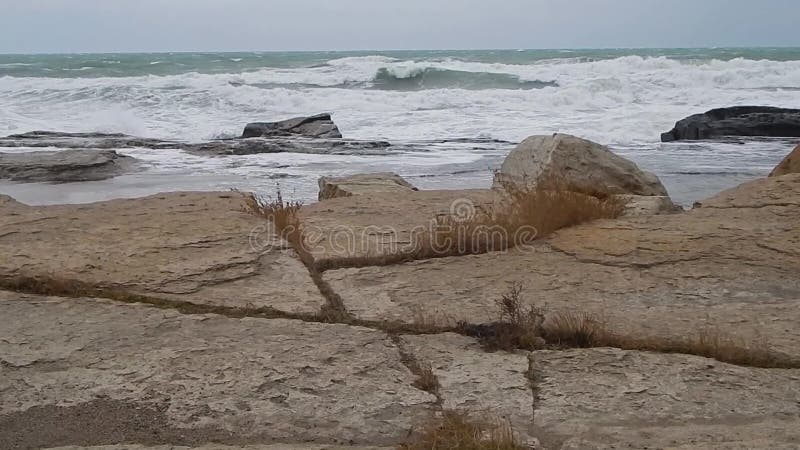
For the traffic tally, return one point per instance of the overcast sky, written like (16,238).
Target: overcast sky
(60,26)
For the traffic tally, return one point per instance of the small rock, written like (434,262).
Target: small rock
(642,205)
(330,187)
(319,126)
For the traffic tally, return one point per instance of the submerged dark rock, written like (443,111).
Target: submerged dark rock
(319,126)
(253,146)
(38,139)
(64,166)
(763,121)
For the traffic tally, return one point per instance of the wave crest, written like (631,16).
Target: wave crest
(439,78)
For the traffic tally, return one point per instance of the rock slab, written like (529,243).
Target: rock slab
(115,373)
(610,398)
(737,121)
(319,126)
(333,187)
(198,247)
(790,164)
(730,265)
(66,166)
(580,164)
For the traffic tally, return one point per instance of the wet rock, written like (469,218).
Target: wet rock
(579,164)
(253,146)
(82,140)
(64,166)
(790,164)
(202,248)
(319,126)
(132,373)
(737,121)
(278,143)
(331,187)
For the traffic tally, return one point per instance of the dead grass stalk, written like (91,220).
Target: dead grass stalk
(456,430)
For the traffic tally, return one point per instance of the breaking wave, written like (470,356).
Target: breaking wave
(439,78)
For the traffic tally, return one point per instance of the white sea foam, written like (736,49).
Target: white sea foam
(627,100)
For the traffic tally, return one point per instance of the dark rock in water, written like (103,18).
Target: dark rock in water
(319,126)
(64,166)
(253,146)
(55,139)
(737,121)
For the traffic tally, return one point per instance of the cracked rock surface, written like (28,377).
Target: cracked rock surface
(611,398)
(381,223)
(99,373)
(732,264)
(198,247)
(189,379)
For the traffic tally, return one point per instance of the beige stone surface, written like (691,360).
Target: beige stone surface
(732,264)
(378,224)
(611,398)
(198,247)
(487,385)
(363,183)
(644,205)
(790,164)
(206,378)
(225,447)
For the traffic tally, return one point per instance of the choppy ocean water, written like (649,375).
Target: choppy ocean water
(622,98)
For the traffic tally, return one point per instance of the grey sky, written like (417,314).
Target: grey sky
(230,25)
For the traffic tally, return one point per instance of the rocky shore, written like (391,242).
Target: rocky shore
(184,319)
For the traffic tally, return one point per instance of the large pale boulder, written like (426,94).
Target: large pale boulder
(330,187)
(319,126)
(583,165)
(790,164)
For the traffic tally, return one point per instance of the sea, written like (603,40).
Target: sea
(458,113)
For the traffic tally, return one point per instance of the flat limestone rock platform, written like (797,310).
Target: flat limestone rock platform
(731,264)
(93,372)
(196,247)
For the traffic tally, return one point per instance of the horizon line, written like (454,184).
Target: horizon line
(511,49)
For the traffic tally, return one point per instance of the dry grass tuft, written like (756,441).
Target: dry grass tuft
(426,379)
(284,217)
(456,431)
(576,330)
(283,214)
(710,342)
(519,327)
(524,327)
(526,214)
(552,205)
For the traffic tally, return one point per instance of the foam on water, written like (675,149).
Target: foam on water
(625,100)
(622,100)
